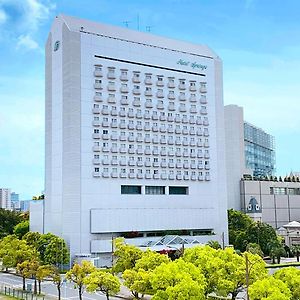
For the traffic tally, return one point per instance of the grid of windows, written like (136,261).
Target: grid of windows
(149,121)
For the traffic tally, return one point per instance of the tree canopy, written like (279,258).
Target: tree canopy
(8,220)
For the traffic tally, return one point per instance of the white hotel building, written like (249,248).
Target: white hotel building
(134,139)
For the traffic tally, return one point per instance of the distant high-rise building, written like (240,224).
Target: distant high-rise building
(259,150)
(15,202)
(5,198)
(134,138)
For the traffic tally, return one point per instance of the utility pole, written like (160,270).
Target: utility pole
(247,275)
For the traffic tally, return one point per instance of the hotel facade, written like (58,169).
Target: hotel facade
(134,140)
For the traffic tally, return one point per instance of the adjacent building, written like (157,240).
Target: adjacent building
(5,198)
(249,150)
(134,139)
(15,202)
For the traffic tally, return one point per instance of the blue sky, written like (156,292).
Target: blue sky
(258,40)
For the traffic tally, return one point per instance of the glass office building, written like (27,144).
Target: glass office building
(259,150)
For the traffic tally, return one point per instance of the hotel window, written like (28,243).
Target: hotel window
(140,158)
(98,94)
(192,83)
(148,88)
(147,171)
(136,87)
(98,68)
(96,130)
(123,171)
(105,145)
(124,97)
(131,146)
(98,81)
(155,159)
(123,72)
(148,76)
(182,81)
(160,78)
(96,170)
(96,156)
(105,131)
(131,189)
(96,144)
(140,171)
(178,190)
(154,190)
(96,118)
(96,105)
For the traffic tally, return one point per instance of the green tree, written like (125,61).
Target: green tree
(296,251)
(214,244)
(8,220)
(78,273)
(126,256)
(14,251)
(238,224)
(21,229)
(28,269)
(291,277)
(262,234)
(276,250)
(138,278)
(41,274)
(32,239)
(57,252)
(168,279)
(54,274)
(208,260)
(269,289)
(254,249)
(103,282)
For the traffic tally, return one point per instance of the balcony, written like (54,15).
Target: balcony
(193,154)
(122,113)
(148,104)
(163,176)
(205,122)
(199,131)
(136,91)
(124,89)
(155,152)
(136,79)
(105,136)
(155,164)
(96,161)
(207,178)
(96,174)
(155,116)
(147,151)
(122,137)
(182,86)
(163,152)
(147,163)
(178,142)
(170,141)
(123,175)
(171,96)
(206,155)
(170,119)
(98,73)
(179,165)
(139,176)
(98,98)
(171,165)
(193,88)
(203,111)
(114,112)
(178,153)
(139,139)
(192,143)
(105,149)
(114,149)
(105,162)
(111,99)
(203,89)
(192,131)
(200,166)
(123,77)
(185,131)
(155,176)
(160,105)
(171,153)
(185,120)
(207,167)
(139,151)
(199,144)
(178,176)
(105,124)
(185,154)
(131,175)
(203,99)
(131,138)
(199,154)
(111,87)
(185,142)
(147,127)
(171,176)
(192,120)
(148,93)
(131,150)
(148,81)
(105,174)
(147,139)
(206,133)
(193,98)
(186,177)
(182,108)
(200,177)
(162,118)
(136,103)
(122,150)
(193,110)
(163,164)
(170,129)
(159,94)
(199,121)
(124,101)
(193,177)
(182,97)
(147,116)
(97,86)
(155,128)
(148,176)
(114,175)
(130,114)
(113,124)
(155,140)
(171,106)
(139,163)
(96,110)
(206,144)
(96,135)
(96,122)
(114,162)
(193,166)
(131,163)
(123,162)
(111,75)
(163,141)
(178,119)
(171,84)
(130,126)
(178,130)
(163,128)
(96,148)
(139,115)
(122,125)
(160,83)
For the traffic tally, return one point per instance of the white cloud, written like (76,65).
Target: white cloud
(26,41)
(23,18)
(3,16)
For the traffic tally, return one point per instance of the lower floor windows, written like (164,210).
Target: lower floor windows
(154,190)
(131,189)
(178,190)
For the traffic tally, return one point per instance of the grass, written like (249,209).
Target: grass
(284,265)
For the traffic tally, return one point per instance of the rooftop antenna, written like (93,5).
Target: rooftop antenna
(126,23)
(148,28)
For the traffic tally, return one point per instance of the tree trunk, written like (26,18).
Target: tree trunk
(273,260)
(40,288)
(80,292)
(24,285)
(233,295)
(35,287)
(58,289)
(278,259)
(107,296)
(297,254)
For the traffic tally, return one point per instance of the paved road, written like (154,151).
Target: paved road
(48,288)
